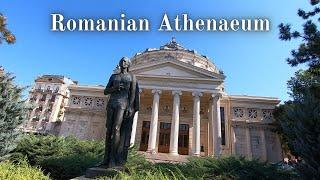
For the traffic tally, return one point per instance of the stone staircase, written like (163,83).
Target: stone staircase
(164,157)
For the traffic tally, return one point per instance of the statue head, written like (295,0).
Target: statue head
(124,63)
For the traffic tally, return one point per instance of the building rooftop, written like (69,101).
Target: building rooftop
(55,78)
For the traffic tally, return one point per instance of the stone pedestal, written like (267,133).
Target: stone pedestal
(95,172)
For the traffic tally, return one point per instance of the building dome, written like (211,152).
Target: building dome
(174,51)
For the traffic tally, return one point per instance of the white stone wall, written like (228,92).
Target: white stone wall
(85,113)
(252,126)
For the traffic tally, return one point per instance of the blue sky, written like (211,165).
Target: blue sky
(254,63)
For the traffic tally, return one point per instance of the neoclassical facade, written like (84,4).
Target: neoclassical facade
(184,109)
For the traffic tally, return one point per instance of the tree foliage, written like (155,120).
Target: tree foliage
(309,50)
(299,119)
(5,34)
(12,113)
(303,81)
(300,125)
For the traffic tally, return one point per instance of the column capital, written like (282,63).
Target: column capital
(156,91)
(176,92)
(196,94)
(216,97)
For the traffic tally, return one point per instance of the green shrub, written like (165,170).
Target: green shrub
(62,158)
(38,148)
(69,166)
(22,170)
(65,158)
(202,168)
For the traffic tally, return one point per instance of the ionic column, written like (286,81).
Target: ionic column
(154,122)
(134,125)
(263,145)
(175,123)
(196,124)
(248,142)
(210,129)
(216,125)
(134,128)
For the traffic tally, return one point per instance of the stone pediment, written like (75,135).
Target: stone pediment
(173,68)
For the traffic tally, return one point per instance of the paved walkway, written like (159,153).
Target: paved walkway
(164,157)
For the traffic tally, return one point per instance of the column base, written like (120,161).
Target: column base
(196,154)
(173,153)
(152,151)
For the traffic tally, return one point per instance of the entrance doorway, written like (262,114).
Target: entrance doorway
(164,137)
(145,136)
(183,142)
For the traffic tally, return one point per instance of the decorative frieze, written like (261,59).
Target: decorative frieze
(267,114)
(87,102)
(238,112)
(100,103)
(252,114)
(75,100)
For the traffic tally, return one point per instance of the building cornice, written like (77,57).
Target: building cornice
(253,124)
(257,99)
(87,88)
(190,67)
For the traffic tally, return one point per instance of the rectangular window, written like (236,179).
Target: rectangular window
(146,124)
(165,125)
(223,126)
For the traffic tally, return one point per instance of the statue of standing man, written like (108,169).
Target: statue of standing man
(123,104)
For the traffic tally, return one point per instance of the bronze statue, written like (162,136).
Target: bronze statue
(123,103)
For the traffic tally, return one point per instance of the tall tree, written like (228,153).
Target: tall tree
(5,34)
(309,50)
(299,119)
(12,112)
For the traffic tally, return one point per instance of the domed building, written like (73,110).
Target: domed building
(184,110)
